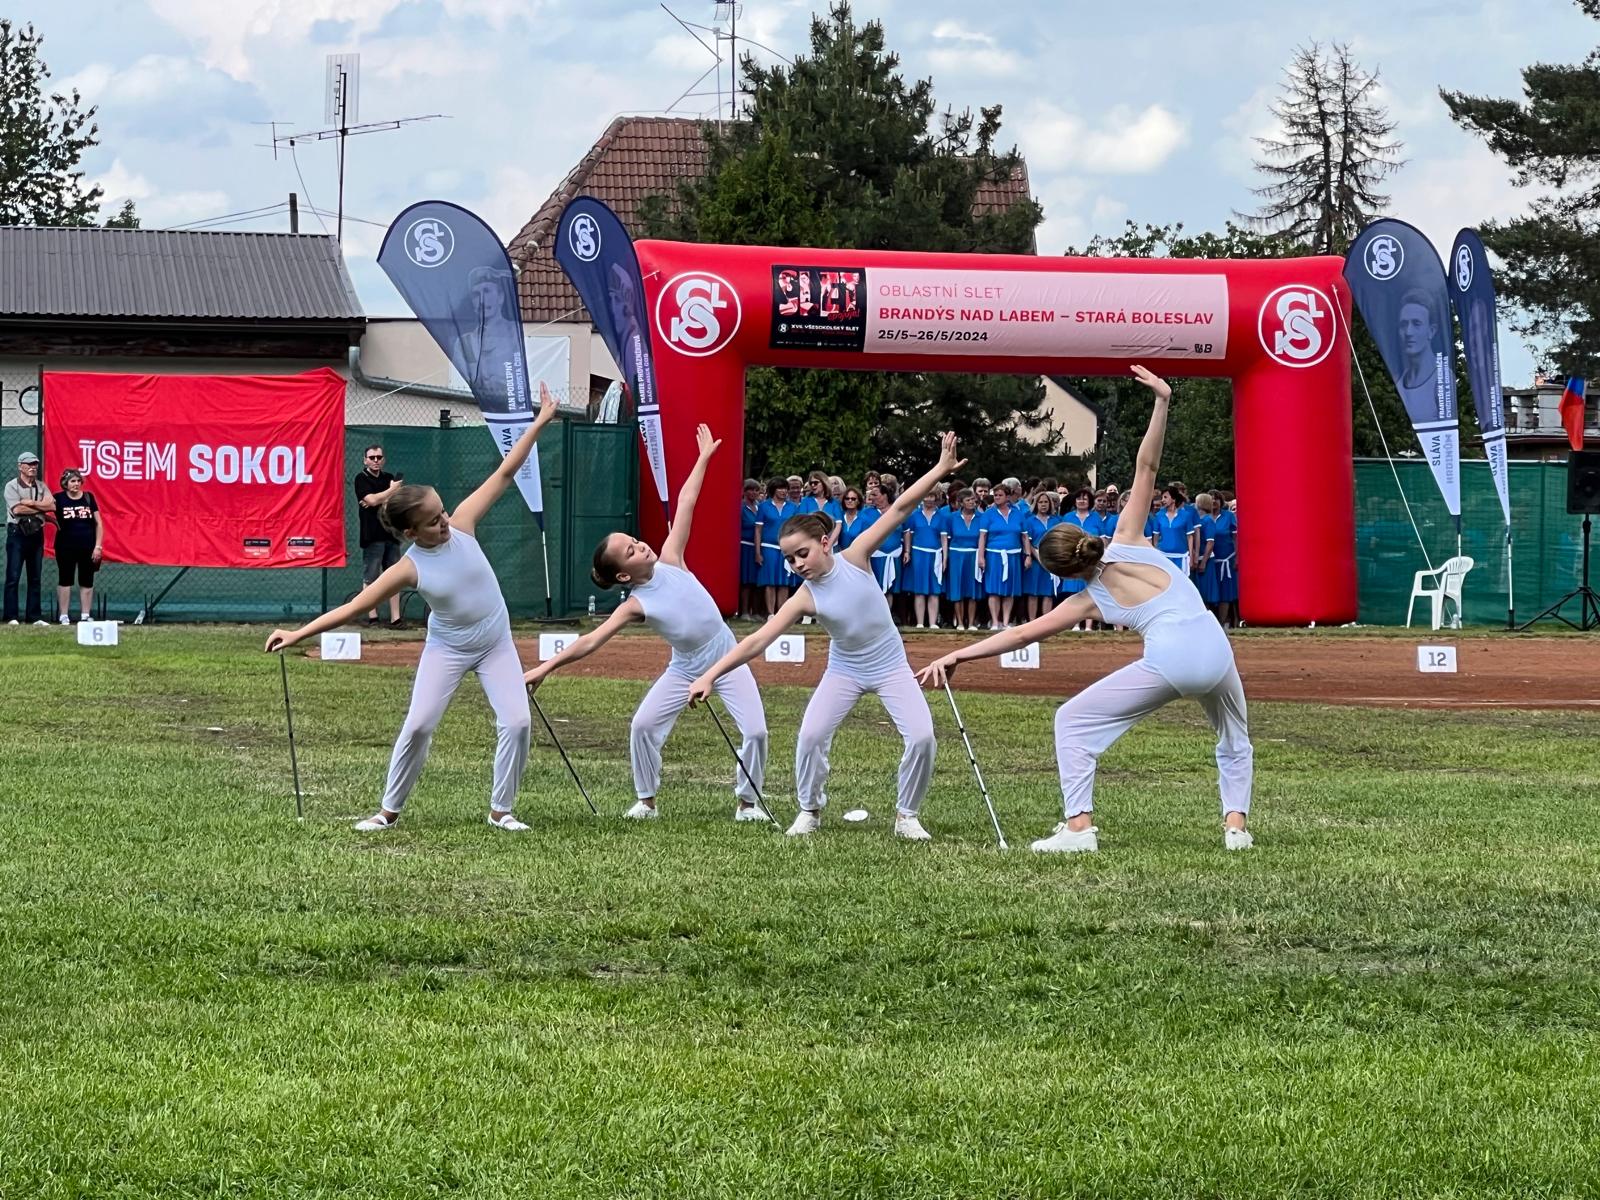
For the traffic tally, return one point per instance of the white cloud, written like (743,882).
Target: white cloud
(681,52)
(1074,213)
(158,209)
(973,52)
(956,31)
(1237,150)
(1441,195)
(1123,142)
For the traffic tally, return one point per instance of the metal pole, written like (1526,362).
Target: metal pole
(760,799)
(294,760)
(573,771)
(973,759)
(544,550)
(294,213)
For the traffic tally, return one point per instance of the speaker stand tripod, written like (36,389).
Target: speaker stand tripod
(1588,600)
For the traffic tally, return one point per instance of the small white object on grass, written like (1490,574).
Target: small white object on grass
(857,815)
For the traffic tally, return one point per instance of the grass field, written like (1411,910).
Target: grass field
(1397,994)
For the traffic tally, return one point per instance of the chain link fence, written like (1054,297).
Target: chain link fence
(591,483)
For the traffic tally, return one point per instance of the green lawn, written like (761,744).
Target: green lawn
(1397,994)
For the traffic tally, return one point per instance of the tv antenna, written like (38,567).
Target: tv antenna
(731,9)
(341,110)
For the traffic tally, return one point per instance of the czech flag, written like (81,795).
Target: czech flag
(1572,412)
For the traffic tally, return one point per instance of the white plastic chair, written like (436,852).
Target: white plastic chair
(1445,584)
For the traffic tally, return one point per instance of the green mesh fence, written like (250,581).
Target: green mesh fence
(590,487)
(1546,551)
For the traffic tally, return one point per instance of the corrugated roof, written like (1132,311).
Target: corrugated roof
(634,158)
(174,274)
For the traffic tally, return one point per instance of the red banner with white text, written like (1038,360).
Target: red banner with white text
(205,470)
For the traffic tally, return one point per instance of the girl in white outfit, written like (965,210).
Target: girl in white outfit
(865,654)
(469,629)
(1186,653)
(674,604)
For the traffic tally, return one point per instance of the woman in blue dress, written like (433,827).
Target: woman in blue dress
(1173,526)
(771,572)
(963,529)
(832,491)
(888,560)
(1091,522)
(1221,584)
(749,573)
(925,573)
(1004,552)
(854,518)
(1038,585)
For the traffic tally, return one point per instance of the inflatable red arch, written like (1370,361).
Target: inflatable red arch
(1270,326)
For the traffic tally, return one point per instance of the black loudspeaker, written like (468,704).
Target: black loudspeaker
(1583,481)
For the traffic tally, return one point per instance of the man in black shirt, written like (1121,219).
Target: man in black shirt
(380,549)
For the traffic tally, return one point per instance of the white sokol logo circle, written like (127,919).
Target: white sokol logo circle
(1464,268)
(429,242)
(1384,257)
(583,235)
(1296,325)
(693,313)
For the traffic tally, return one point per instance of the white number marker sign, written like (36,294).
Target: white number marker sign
(790,648)
(1436,660)
(341,647)
(1022,658)
(97,633)
(552,644)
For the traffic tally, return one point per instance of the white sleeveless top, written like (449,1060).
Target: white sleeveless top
(855,612)
(1176,603)
(468,611)
(678,607)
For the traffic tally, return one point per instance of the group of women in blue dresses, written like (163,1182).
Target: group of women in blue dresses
(974,547)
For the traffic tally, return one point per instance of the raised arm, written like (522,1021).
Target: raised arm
(471,510)
(1148,462)
(391,583)
(796,606)
(892,518)
(1065,615)
(688,496)
(624,614)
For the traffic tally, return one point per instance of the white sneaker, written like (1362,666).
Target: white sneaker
(507,822)
(751,813)
(907,826)
(13,622)
(376,822)
(642,812)
(43,622)
(1067,841)
(806,822)
(1236,839)
(65,620)
(920,625)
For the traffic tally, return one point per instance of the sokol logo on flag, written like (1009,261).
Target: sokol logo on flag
(455,275)
(595,251)
(1472,293)
(1398,283)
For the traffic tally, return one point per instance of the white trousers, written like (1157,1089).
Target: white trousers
(438,675)
(835,696)
(658,712)
(1087,724)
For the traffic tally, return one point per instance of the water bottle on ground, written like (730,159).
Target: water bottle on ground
(591,604)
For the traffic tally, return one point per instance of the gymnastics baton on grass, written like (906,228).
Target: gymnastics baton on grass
(972,758)
(724,732)
(571,769)
(294,758)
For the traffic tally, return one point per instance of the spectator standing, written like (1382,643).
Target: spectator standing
(380,549)
(28,506)
(79,533)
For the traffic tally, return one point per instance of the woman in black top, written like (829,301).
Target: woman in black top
(78,534)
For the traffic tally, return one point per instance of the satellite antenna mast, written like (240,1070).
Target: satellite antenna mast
(341,110)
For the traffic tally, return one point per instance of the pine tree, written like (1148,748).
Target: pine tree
(1336,149)
(127,217)
(1551,257)
(42,137)
(841,150)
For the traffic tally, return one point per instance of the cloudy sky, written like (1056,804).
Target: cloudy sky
(1142,110)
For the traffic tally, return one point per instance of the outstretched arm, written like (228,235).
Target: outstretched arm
(860,552)
(1148,461)
(796,606)
(1064,616)
(392,582)
(472,510)
(688,496)
(626,613)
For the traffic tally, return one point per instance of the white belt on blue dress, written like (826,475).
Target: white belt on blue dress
(1005,562)
(890,568)
(1225,566)
(938,563)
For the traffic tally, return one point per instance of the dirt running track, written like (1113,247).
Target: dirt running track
(1510,672)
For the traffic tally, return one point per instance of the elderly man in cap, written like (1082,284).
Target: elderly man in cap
(28,505)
